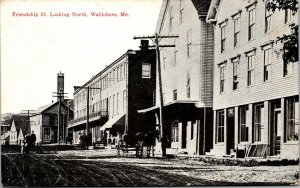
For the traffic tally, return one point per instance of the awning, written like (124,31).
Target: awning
(169,104)
(148,109)
(111,122)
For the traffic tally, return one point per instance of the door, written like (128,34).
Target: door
(230,131)
(275,134)
(183,143)
(54,137)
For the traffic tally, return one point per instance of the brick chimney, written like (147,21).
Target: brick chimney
(60,84)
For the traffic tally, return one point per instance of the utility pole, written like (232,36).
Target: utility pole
(161,119)
(28,115)
(60,94)
(88,104)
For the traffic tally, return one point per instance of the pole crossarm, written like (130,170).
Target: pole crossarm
(84,87)
(152,37)
(163,46)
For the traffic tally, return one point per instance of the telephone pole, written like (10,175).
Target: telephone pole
(88,88)
(59,95)
(161,119)
(28,115)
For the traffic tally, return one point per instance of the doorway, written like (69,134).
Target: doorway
(230,130)
(275,124)
(183,141)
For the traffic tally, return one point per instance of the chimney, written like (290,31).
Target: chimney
(60,84)
(76,87)
(144,44)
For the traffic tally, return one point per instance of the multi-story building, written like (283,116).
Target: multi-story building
(113,97)
(187,72)
(256,102)
(45,121)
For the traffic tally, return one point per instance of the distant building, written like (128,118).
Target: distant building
(113,96)
(44,122)
(187,72)
(256,92)
(47,124)
(15,127)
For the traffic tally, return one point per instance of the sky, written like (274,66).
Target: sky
(35,49)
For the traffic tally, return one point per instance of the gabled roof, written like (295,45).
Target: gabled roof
(43,108)
(13,126)
(64,103)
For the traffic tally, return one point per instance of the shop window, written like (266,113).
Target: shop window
(258,111)
(175,131)
(292,119)
(46,133)
(243,128)
(220,126)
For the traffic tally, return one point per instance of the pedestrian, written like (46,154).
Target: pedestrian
(32,139)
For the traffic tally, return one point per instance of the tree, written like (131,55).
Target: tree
(290,40)
(21,121)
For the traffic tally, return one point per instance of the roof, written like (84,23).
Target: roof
(46,107)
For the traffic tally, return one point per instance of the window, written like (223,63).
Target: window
(117,74)
(121,67)
(180,11)
(110,79)
(223,38)
(124,100)
(237,28)
(288,16)
(117,112)
(251,24)
(188,86)
(171,19)
(175,94)
(175,57)
(146,70)
(287,68)
(250,71)
(292,119)
(222,79)
(175,131)
(114,76)
(189,43)
(46,133)
(113,105)
(52,119)
(220,126)
(258,111)
(268,18)
(243,129)
(110,106)
(267,64)
(235,75)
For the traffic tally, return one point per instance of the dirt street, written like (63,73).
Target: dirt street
(94,168)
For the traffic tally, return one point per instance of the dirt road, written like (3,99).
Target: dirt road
(75,170)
